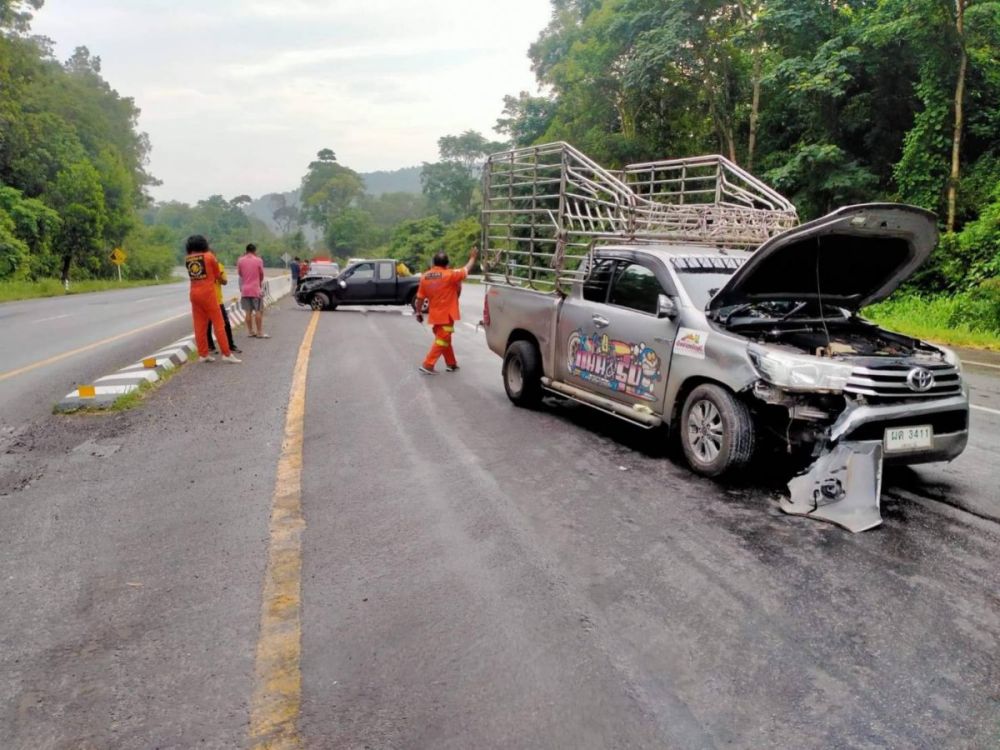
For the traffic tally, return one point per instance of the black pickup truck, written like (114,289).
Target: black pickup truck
(366,282)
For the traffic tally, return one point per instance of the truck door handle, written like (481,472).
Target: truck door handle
(601,322)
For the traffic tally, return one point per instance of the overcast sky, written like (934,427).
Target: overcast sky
(238,95)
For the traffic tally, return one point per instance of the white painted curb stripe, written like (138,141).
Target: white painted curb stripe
(108,390)
(150,376)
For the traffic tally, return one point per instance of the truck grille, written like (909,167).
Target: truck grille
(898,381)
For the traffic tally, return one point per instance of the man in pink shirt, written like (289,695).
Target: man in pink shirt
(251,271)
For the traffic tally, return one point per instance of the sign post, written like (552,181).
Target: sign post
(286,257)
(118,257)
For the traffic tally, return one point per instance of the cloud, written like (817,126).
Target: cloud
(238,95)
(428,51)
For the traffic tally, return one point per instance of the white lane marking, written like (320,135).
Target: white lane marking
(144,299)
(985,408)
(54,317)
(980,364)
(469,325)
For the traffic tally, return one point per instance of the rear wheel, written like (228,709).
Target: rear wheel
(522,374)
(320,301)
(716,431)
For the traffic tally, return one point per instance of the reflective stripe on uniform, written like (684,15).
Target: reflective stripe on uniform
(440,342)
(449,329)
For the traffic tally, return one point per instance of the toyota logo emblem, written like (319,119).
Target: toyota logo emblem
(920,380)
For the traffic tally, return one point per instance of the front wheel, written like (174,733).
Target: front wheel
(716,431)
(522,374)
(320,301)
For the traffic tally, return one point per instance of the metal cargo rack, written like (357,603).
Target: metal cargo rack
(545,207)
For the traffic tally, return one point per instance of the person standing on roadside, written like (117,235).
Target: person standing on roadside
(203,271)
(296,270)
(440,287)
(251,271)
(219,282)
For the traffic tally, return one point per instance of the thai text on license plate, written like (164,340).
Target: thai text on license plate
(914,438)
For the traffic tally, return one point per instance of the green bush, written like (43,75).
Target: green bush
(979,308)
(967,319)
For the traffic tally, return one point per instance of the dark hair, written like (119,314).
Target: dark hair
(251,248)
(441,259)
(196,244)
(297,258)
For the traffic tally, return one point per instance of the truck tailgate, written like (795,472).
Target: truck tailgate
(514,310)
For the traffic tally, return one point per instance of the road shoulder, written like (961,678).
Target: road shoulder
(139,542)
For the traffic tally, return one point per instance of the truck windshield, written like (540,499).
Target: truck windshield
(702,284)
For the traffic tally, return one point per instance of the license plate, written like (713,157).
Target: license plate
(899,439)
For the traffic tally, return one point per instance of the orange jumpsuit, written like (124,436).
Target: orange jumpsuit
(203,270)
(440,286)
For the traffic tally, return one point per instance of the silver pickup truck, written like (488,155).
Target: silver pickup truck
(734,350)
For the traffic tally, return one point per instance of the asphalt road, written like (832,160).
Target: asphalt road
(472,574)
(49,346)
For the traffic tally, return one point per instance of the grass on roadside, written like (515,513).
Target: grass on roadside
(932,319)
(18,290)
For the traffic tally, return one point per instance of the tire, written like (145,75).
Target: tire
(522,374)
(716,431)
(410,298)
(320,301)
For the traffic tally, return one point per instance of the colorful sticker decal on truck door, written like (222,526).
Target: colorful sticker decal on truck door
(691,343)
(619,365)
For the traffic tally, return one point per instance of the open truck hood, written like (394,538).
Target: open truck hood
(850,258)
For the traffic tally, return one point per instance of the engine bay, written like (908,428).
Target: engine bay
(842,338)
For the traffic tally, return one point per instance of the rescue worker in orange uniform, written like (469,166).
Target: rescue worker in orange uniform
(440,287)
(203,271)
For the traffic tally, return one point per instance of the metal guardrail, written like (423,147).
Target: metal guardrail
(545,207)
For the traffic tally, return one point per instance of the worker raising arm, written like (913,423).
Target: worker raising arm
(438,293)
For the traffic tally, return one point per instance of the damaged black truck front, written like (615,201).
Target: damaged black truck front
(683,293)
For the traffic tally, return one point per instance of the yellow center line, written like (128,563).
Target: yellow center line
(277,695)
(87,348)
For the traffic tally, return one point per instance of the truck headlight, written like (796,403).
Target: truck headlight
(799,372)
(952,358)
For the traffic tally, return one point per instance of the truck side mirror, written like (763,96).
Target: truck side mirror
(665,307)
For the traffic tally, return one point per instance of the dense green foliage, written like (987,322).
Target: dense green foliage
(832,103)
(407,226)
(228,228)
(72,163)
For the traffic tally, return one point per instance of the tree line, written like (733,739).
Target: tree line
(348,221)
(831,101)
(72,163)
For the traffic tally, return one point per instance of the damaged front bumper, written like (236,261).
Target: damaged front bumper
(844,483)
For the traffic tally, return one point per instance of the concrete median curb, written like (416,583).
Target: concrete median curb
(104,392)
